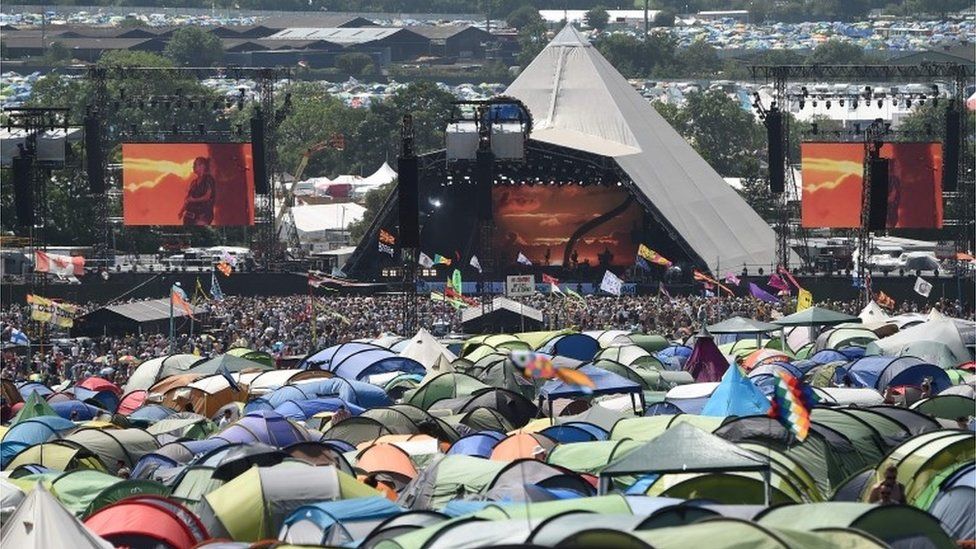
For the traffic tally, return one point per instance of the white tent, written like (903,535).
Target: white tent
(383,175)
(426,350)
(579,101)
(914,341)
(872,314)
(314,221)
(41,522)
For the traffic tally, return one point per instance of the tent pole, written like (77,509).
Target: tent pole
(767,485)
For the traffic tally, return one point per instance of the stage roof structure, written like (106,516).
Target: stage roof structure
(138,317)
(504,316)
(579,101)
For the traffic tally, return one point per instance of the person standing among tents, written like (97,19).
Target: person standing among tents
(889,491)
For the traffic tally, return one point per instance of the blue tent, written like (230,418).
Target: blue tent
(336,522)
(304,409)
(735,396)
(828,355)
(360,360)
(30,432)
(106,400)
(576,346)
(575,431)
(478,444)
(359,393)
(34,387)
(955,504)
(607,383)
(151,413)
(84,411)
(880,372)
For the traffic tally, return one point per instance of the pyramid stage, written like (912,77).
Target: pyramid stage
(602,173)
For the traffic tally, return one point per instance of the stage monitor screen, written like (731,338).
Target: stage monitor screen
(568,225)
(202,184)
(833,178)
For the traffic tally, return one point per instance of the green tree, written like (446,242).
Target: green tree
(354,63)
(597,18)
(637,58)
(756,193)
(194,46)
(525,16)
(57,55)
(836,52)
(698,59)
(373,202)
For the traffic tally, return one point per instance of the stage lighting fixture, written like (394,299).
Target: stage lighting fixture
(867,92)
(841,102)
(814,103)
(880,103)
(804,91)
(828,103)
(908,102)
(854,102)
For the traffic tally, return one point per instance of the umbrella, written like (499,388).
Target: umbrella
(128,359)
(106,371)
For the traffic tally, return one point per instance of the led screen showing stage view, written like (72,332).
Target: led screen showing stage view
(549,223)
(833,178)
(203,184)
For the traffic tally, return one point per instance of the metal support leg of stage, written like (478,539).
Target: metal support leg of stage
(873,140)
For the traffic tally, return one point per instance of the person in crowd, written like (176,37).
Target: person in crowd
(123,470)
(889,490)
(226,419)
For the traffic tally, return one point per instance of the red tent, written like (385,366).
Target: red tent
(706,362)
(148,520)
(100,384)
(132,401)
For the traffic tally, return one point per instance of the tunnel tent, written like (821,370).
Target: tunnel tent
(151,371)
(254,505)
(591,457)
(881,372)
(147,520)
(915,422)
(227,362)
(649,427)
(60,455)
(571,345)
(337,522)
(892,524)
(446,478)
(260,357)
(946,406)
(444,386)
(112,446)
(921,459)
(868,441)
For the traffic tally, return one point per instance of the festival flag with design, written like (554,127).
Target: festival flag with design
(475,263)
(776,281)
(540,366)
(386,242)
(922,287)
(761,294)
(731,278)
(63,265)
(179,299)
(574,295)
(653,257)
(612,284)
(425,261)
(215,290)
(523,260)
(791,404)
(225,268)
(52,312)
(884,300)
(441,260)
(705,279)
(804,300)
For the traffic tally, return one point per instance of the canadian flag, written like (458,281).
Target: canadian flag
(64,265)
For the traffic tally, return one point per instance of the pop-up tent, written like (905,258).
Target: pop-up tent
(685,448)
(40,522)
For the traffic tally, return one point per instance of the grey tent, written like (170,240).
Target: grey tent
(41,522)
(226,361)
(684,448)
(816,316)
(579,101)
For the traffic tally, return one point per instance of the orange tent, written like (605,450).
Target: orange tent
(386,458)
(762,356)
(522,446)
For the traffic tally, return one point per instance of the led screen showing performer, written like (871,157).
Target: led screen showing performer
(569,225)
(190,184)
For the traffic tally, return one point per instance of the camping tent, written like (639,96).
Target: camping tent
(40,522)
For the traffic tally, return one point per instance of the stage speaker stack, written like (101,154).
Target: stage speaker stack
(408,180)
(23,191)
(774,137)
(484,167)
(878,214)
(950,152)
(257,152)
(95,162)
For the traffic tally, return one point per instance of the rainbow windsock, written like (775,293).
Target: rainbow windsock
(792,402)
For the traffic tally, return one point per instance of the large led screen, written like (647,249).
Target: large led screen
(833,177)
(567,225)
(202,184)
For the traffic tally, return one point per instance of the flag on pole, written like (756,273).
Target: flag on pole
(63,265)
(791,404)
(789,276)
(922,287)
(704,278)
(776,281)
(475,263)
(554,289)
(425,261)
(539,366)
(315,279)
(215,290)
(523,260)
(612,284)
(457,283)
(652,256)
(18,338)
(230,379)
(52,312)
(546,279)
(574,295)
(885,300)
(804,300)
(225,268)
(664,291)
(642,264)
(441,260)
(761,294)
(178,298)
(730,278)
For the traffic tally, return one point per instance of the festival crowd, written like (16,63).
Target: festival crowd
(284,327)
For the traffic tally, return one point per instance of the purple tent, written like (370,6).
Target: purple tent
(264,426)
(706,362)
